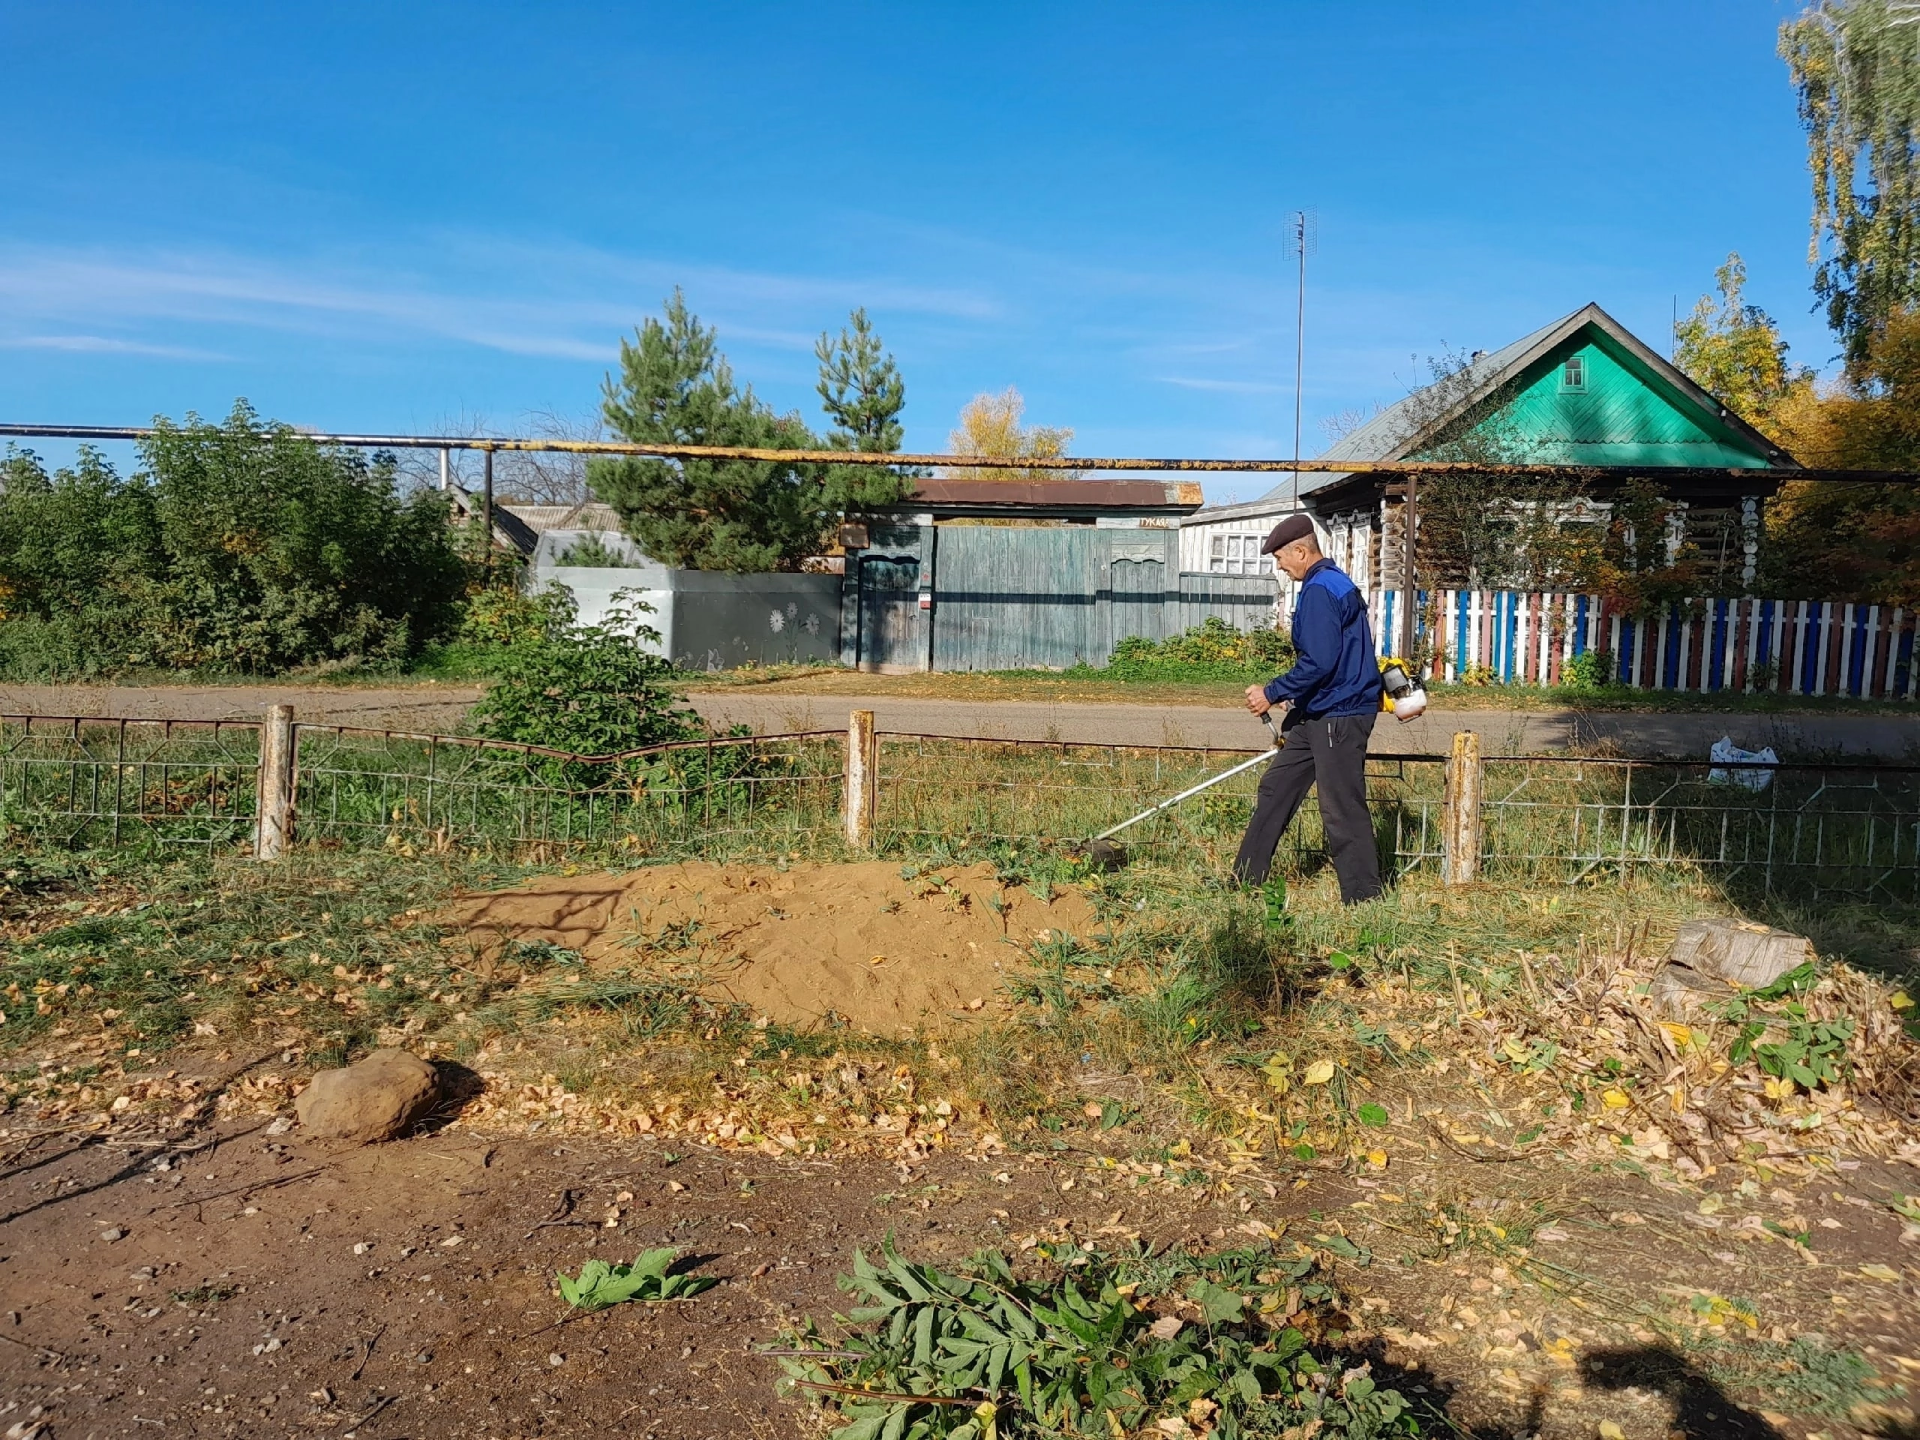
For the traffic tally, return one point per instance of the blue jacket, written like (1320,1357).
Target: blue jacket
(1336,673)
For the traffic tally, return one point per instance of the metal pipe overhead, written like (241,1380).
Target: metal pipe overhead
(491,444)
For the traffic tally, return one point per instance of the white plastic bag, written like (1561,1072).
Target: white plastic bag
(1725,752)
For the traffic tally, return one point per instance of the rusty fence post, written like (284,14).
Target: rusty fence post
(862,791)
(1461,829)
(273,825)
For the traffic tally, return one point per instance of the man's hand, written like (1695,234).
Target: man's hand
(1257,700)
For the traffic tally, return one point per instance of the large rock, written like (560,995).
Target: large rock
(1739,952)
(373,1099)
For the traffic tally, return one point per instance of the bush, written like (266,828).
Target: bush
(502,615)
(239,548)
(591,551)
(1589,670)
(587,689)
(1211,650)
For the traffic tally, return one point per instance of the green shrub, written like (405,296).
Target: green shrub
(505,614)
(591,551)
(1589,670)
(1211,650)
(238,548)
(587,689)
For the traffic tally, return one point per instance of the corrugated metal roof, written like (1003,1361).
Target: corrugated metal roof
(1039,499)
(587,515)
(508,528)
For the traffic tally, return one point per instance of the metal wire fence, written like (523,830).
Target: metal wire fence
(1793,830)
(704,797)
(84,782)
(936,791)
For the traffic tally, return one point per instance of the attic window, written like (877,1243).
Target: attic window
(1573,375)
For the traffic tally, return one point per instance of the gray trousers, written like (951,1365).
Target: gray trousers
(1332,754)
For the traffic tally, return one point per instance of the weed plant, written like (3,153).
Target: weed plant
(1092,1344)
(1211,650)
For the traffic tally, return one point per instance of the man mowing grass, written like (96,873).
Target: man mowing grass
(1330,698)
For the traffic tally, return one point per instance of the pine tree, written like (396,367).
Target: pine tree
(860,389)
(676,388)
(863,395)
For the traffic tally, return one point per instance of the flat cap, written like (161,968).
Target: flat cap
(1294,527)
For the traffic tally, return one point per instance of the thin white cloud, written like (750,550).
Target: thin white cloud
(577,266)
(105,345)
(565,302)
(1236,387)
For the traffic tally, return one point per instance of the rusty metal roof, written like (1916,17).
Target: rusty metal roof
(1052,499)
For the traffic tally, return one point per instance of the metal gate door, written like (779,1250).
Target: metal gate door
(1136,595)
(1007,597)
(892,631)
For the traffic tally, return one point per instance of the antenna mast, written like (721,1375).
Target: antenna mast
(1301,237)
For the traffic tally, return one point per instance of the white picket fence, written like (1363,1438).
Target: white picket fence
(1797,647)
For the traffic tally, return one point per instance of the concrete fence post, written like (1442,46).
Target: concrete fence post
(1461,830)
(863,779)
(273,828)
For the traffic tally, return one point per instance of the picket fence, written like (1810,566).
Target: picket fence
(1795,647)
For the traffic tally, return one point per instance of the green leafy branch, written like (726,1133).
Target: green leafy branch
(649,1278)
(1809,1052)
(1103,1346)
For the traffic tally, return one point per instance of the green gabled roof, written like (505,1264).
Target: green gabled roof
(1637,410)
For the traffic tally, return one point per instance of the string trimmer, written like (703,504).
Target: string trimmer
(1104,854)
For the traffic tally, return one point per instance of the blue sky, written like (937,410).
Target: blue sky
(391,218)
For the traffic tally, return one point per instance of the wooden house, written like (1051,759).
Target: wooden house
(1582,391)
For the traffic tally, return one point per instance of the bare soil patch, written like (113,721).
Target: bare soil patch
(239,1282)
(805,945)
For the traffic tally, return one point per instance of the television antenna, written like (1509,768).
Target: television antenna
(1303,239)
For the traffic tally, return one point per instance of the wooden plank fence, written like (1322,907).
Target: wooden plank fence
(1794,647)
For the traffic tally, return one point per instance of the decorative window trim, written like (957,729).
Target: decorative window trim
(1236,554)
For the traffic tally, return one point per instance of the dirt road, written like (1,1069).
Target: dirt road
(440,708)
(428,706)
(1516,732)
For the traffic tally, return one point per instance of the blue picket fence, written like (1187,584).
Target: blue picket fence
(1797,647)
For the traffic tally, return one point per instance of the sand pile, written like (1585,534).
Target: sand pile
(861,942)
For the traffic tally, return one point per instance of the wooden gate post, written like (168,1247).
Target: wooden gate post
(273,826)
(862,792)
(1460,827)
